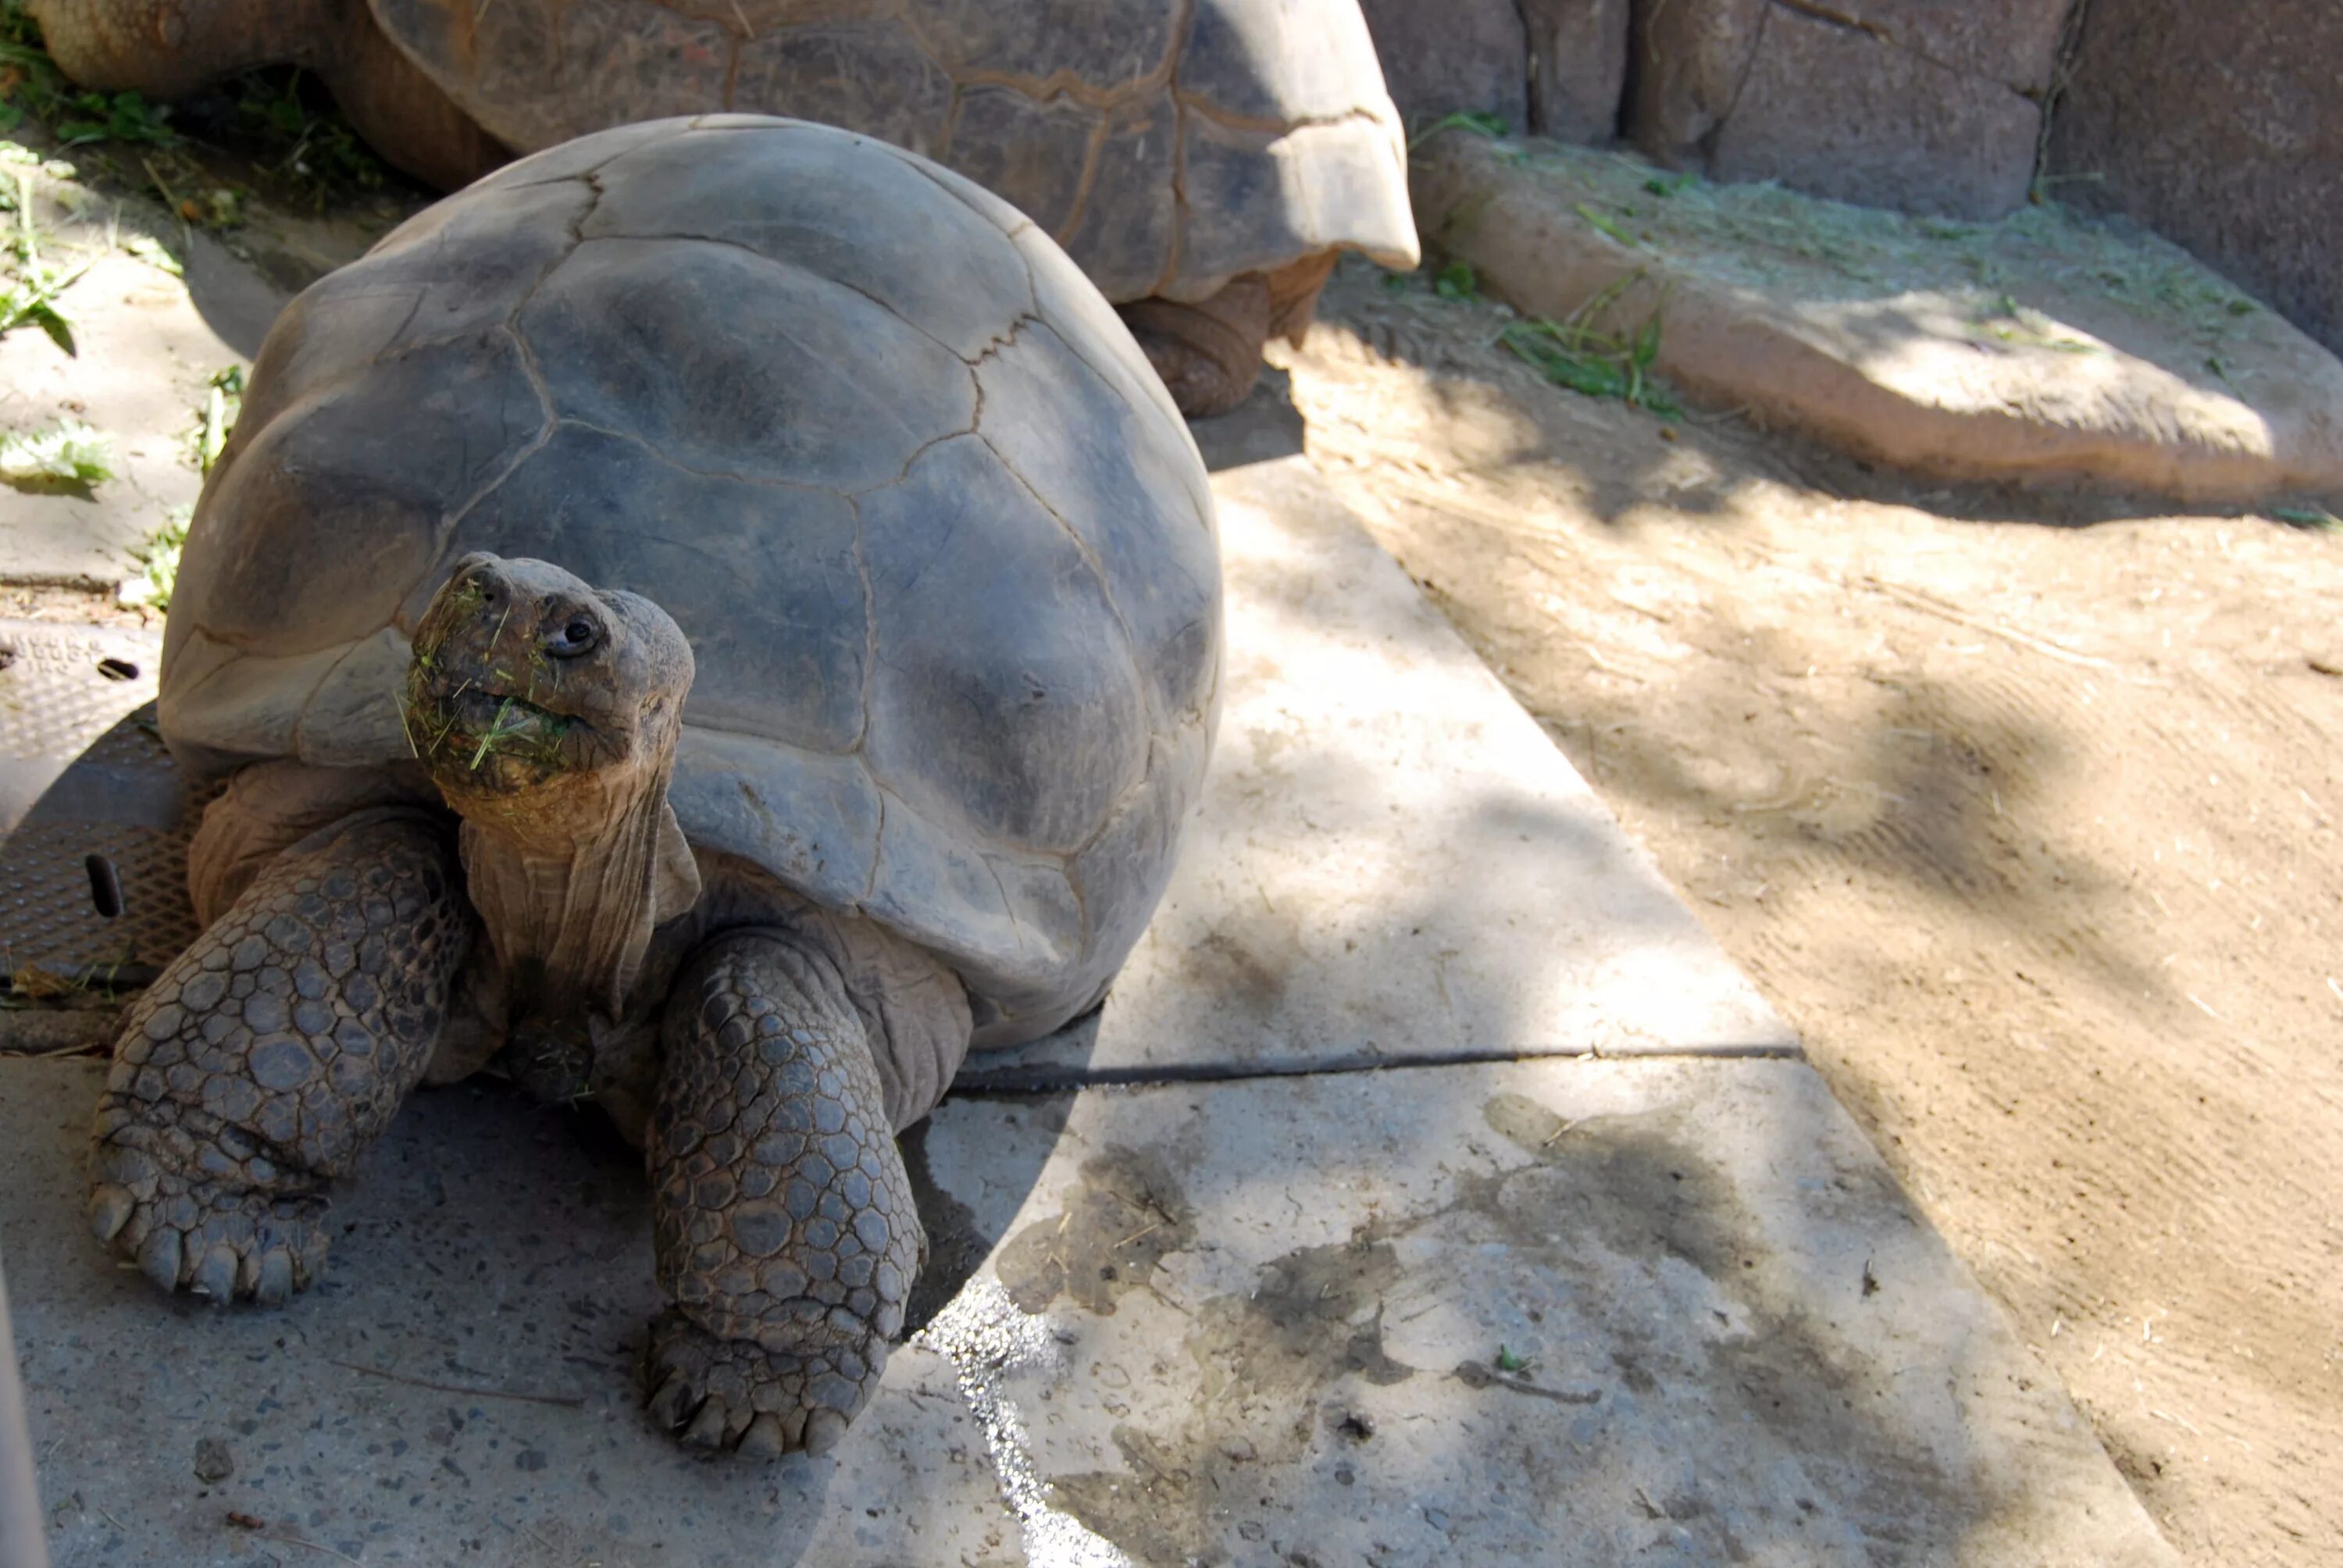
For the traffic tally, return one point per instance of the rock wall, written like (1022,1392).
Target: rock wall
(1926,107)
(1912,104)
(1555,67)
(2222,126)
(2219,125)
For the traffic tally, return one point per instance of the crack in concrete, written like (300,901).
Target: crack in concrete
(1010,1082)
(1179,32)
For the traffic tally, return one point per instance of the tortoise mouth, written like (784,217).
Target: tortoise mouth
(482,737)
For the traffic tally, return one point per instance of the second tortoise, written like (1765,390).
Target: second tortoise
(1204,163)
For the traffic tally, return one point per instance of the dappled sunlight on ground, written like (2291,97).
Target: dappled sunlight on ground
(2030,831)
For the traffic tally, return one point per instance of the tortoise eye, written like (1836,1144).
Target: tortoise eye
(579,637)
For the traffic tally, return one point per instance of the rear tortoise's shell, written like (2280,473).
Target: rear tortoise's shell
(942,546)
(1169,148)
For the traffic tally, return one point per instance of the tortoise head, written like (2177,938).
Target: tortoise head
(527,681)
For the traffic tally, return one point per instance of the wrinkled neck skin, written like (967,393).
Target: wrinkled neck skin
(569,882)
(548,712)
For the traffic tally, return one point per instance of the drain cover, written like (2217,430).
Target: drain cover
(93,869)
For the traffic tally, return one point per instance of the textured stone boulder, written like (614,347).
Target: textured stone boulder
(2042,348)
(1888,103)
(1578,66)
(1555,66)
(1469,55)
(2219,126)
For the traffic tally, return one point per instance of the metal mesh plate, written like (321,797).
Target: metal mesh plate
(93,872)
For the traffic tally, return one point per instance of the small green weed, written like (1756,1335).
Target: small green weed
(91,118)
(1456,281)
(2007,321)
(1609,227)
(223,401)
(1480,125)
(2306,518)
(145,247)
(1507,1362)
(67,453)
(30,287)
(292,125)
(1578,354)
(158,562)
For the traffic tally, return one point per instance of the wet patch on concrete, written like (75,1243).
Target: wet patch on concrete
(1124,1215)
(1562,1313)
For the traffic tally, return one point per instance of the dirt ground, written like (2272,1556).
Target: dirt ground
(2022,809)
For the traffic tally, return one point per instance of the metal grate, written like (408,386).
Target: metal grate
(93,872)
(62,687)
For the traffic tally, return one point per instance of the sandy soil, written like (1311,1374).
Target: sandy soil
(2029,827)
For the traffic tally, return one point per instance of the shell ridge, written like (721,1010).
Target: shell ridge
(778,263)
(572,422)
(870,625)
(1092,155)
(1179,247)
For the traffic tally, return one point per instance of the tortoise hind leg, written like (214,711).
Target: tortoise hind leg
(1208,353)
(786,1232)
(269,1056)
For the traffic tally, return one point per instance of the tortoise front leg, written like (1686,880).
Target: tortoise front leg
(787,1236)
(272,1052)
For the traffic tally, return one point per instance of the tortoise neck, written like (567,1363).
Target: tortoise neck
(570,885)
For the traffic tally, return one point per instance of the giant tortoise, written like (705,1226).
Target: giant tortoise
(1203,162)
(875,746)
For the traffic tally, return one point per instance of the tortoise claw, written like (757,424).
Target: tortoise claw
(109,1209)
(216,1275)
(823,1428)
(764,1438)
(159,1257)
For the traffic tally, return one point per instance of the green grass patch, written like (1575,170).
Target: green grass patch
(284,118)
(1456,281)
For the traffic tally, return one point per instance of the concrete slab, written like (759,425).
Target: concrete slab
(1566,1312)
(1559,1313)
(144,353)
(1392,862)
(461,1388)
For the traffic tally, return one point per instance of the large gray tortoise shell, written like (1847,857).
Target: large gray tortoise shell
(942,546)
(1169,147)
